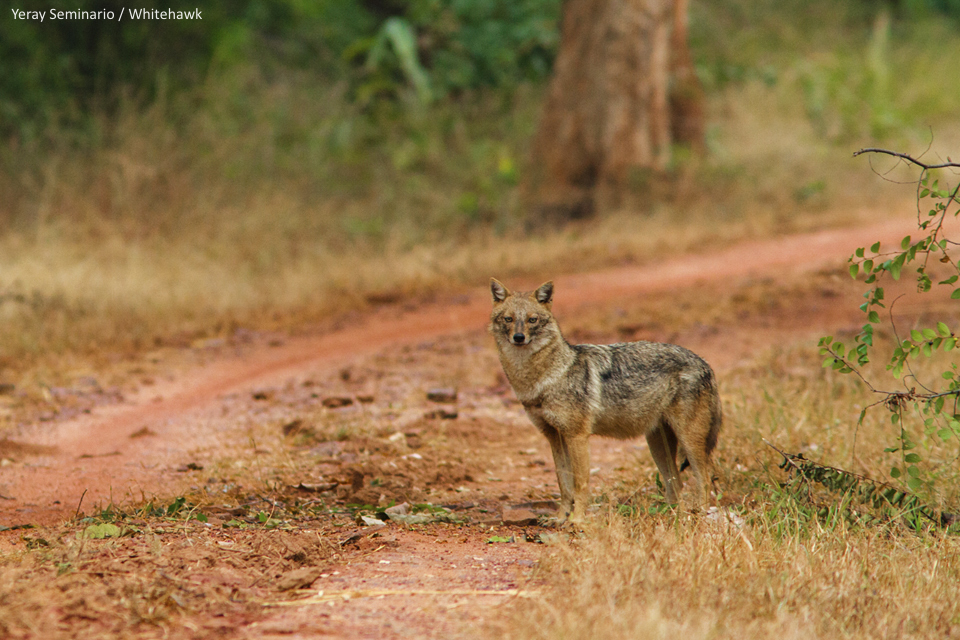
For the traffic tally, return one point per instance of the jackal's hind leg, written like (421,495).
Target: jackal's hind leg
(693,443)
(662,443)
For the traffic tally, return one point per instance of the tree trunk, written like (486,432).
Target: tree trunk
(607,117)
(686,94)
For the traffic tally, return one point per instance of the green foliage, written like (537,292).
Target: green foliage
(57,68)
(863,501)
(61,70)
(935,402)
(439,47)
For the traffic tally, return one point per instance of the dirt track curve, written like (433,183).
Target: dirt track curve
(95,455)
(445,588)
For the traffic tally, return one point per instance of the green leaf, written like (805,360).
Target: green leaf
(943,329)
(916,336)
(905,242)
(402,39)
(854,270)
(944,434)
(914,484)
(949,280)
(859,252)
(891,449)
(929,334)
(949,344)
(895,472)
(873,316)
(875,248)
(913,471)
(867,266)
(955,295)
(894,269)
(912,457)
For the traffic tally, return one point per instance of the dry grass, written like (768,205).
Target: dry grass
(663,576)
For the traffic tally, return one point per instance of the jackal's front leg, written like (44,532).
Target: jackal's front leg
(561,460)
(579,451)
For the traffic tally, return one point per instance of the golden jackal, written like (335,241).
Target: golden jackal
(661,391)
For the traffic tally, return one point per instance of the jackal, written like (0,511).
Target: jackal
(626,390)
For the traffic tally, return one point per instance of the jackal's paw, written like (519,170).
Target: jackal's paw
(565,526)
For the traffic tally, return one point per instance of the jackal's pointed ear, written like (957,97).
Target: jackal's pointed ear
(499,291)
(544,294)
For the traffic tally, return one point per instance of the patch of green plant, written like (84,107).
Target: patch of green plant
(934,401)
(861,500)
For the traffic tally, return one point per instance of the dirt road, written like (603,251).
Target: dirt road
(160,437)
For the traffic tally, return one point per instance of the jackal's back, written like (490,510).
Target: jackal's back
(626,382)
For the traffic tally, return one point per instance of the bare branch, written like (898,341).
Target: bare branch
(908,158)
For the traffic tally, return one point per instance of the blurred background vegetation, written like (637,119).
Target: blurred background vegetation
(283,160)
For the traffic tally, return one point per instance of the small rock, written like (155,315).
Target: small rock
(369,521)
(441,414)
(550,538)
(298,578)
(335,402)
(726,517)
(401,509)
(329,448)
(364,398)
(293,428)
(401,514)
(263,394)
(317,488)
(142,432)
(445,394)
(519,517)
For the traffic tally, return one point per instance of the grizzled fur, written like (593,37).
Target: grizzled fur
(660,391)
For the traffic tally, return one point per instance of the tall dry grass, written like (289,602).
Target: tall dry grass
(664,577)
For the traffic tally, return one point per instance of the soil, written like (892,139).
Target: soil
(281,445)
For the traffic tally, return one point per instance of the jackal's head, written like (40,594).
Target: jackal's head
(523,319)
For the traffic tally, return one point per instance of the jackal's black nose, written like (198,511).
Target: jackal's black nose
(518,338)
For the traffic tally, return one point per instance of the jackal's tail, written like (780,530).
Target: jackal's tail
(716,417)
(715,410)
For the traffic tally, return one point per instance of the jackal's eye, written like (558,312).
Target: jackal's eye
(533,319)
(508,319)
